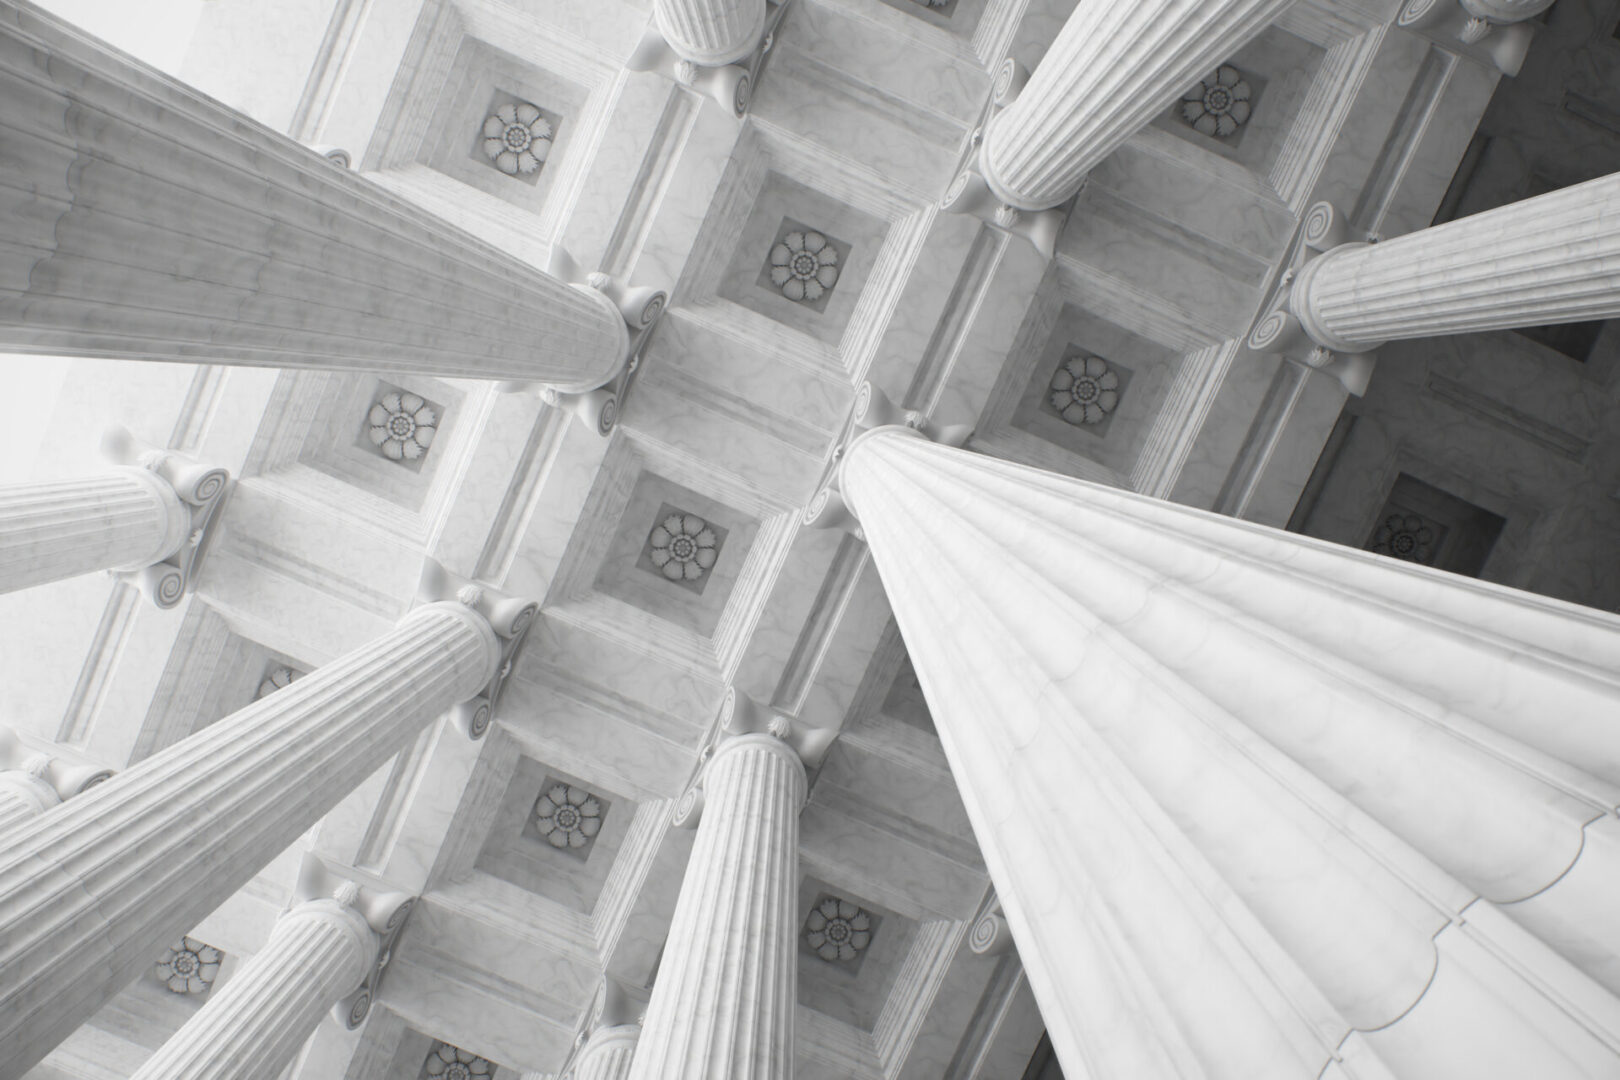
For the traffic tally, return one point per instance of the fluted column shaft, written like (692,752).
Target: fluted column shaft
(1256,806)
(722,1006)
(1112,69)
(710,32)
(63,528)
(255,1022)
(23,795)
(149,222)
(608,1054)
(90,890)
(1551,259)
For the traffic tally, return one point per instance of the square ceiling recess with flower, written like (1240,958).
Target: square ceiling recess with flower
(516,137)
(803,264)
(401,426)
(682,547)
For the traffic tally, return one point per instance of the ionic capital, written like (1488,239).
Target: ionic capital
(43,777)
(373,916)
(502,619)
(190,495)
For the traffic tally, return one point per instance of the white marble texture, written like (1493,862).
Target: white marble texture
(722,1007)
(1554,258)
(710,32)
(608,1053)
(898,56)
(125,519)
(85,873)
(255,1022)
(1110,70)
(250,288)
(1419,786)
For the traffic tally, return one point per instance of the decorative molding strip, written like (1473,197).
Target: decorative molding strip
(522,495)
(658,167)
(821,625)
(967,298)
(1404,139)
(992,1011)
(631,864)
(916,986)
(1501,415)
(1270,420)
(1181,418)
(197,411)
(314,107)
(405,778)
(847,1049)
(1328,103)
(1592,111)
(106,648)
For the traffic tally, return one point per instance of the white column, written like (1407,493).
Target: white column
(613,1029)
(149,222)
(1112,69)
(710,32)
(722,1005)
(89,891)
(607,1054)
(1551,259)
(1257,806)
(31,782)
(59,529)
(253,1025)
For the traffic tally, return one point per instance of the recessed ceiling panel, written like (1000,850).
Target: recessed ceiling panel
(676,553)
(802,258)
(555,835)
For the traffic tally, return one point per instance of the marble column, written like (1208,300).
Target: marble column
(1255,805)
(31,782)
(148,222)
(1111,70)
(91,891)
(722,1004)
(250,1027)
(1551,259)
(607,1054)
(149,520)
(710,32)
(611,1046)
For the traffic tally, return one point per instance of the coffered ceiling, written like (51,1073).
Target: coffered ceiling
(805,254)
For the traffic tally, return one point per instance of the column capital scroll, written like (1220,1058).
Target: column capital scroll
(63,776)
(506,618)
(1290,327)
(375,915)
(192,495)
(640,307)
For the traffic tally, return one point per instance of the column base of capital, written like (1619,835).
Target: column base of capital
(1504,41)
(508,620)
(378,917)
(971,193)
(727,78)
(640,306)
(194,493)
(1299,305)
